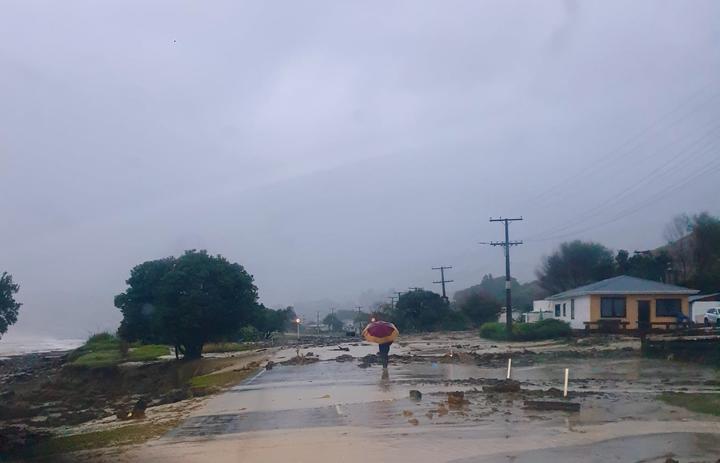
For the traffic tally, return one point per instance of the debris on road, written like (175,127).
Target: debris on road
(552,405)
(506,385)
(415,394)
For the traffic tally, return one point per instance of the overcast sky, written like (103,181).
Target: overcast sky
(337,149)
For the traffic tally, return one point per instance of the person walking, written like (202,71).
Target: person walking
(382,333)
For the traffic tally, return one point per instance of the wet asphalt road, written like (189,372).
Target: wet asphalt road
(339,399)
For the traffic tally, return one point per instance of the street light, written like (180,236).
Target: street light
(297,321)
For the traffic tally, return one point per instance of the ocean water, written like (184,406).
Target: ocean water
(18,344)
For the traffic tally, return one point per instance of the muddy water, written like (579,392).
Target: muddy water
(337,411)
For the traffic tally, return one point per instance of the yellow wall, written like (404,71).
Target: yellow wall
(631,307)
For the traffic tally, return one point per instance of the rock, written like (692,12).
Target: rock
(407,413)
(269,365)
(414,421)
(6,395)
(309,354)
(344,349)
(415,394)
(507,385)
(344,358)
(441,410)
(672,460)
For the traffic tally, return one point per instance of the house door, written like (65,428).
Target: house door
(643,315)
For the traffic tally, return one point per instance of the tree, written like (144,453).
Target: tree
(523,295)
(268,321)
(649,265)
(678,234)
(706,252)
(575,264)
(187,301)
(333,321)
(480,308)
(9,307)
(420,310)
(622,265)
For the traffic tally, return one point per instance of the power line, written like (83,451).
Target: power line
(707,169)
(506,244)
(443,280)
(670,166)
(620,151)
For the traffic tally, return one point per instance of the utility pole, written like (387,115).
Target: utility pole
(317,326)
(506,244)
(443,280)
(392,301)
(399,293)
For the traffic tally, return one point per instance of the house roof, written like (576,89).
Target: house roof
(623,284)
(700,297)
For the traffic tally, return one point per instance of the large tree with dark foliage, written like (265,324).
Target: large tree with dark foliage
(706,253)
(480,307)
(420,310)
(187,301)
(574,264)
(9,307)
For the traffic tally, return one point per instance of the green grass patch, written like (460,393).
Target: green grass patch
(147,352)
(126,435)
(218,380)
(695,402)
(219,347)
(98,359)
(541,330)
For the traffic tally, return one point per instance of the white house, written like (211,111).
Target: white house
(700,303)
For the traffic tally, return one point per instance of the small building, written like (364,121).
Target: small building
(632,302)
(516,315)
(700,303)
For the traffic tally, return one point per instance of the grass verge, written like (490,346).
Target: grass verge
(695,402)
(219,347)
(147,352)
(126,435)
(219,380)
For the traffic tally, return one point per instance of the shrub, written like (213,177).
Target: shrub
(493,330)
(544,329)
(249,334)
(220,347)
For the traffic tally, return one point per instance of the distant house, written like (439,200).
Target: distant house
(540,311)
(516,315)
(623,298)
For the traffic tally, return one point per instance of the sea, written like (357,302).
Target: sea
(12,344)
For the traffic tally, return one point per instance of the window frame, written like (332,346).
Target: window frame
(675,310)
(557,310)
(614,309)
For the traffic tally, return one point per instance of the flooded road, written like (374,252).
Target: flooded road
(346,411)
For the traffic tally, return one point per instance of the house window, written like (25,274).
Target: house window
(612,307)
(572,309)
(557,310)
(667,307)
(564,311)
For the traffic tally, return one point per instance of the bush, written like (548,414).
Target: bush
(544,329)
(249,334)
(493,330)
